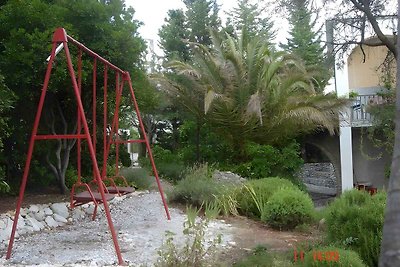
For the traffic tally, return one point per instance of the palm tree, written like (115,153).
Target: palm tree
(250,93)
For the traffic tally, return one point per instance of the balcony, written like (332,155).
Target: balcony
(359,117)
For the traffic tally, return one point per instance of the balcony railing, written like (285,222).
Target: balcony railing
(358,109)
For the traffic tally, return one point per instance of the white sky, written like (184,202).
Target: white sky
(153,12)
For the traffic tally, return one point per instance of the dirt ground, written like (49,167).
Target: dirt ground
(141,225)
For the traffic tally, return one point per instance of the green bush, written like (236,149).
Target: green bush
(355,221)
(137,176)
(171,170)
(197,187)
(331,256)
(263,189)
(168,165)
(266,161)
(260,256)
(288,208)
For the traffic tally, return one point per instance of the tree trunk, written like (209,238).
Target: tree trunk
(390,249)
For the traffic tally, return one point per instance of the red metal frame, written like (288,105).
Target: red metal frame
(60,36)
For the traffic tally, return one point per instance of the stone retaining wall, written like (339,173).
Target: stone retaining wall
(319,174)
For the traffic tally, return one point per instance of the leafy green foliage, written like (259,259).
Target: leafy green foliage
(172,35)
(247,21)
(139,177)
(267,161)
(305,43)
(261,257)
(382,131)
(287,208)
(196,251)
(250,204)
(319,256)
(355,221)
(6,101)
(201,15)
(26,29)
(168,164)
(212,148)
(251,93)
(197,187)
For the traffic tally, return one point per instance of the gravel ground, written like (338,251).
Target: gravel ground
(141,225)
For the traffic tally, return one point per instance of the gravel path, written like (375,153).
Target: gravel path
(140,222)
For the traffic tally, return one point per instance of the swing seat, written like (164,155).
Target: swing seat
(123,190)
(85,197)
(120,190)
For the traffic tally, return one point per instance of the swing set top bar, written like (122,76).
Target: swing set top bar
(60,35)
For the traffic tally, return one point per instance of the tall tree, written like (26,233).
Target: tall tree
(173,35)
(305,42)
(250,20)
(201,15)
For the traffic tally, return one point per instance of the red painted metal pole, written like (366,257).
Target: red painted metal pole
(117,124)
(93,156)
(104,170)
(118,99)
(148,146)
(79,143)
(30,150)
(94,100)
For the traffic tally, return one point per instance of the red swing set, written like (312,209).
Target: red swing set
(104,193)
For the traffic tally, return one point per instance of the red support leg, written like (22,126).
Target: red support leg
(30,150)
(94,100)
(104,170)
(92,155)
(128,78)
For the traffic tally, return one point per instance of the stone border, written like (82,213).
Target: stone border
(40,217)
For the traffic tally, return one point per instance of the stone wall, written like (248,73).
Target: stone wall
(319,178)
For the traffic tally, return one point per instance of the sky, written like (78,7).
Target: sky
(153,12)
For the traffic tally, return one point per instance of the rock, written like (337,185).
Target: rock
(47,211)
(33,208)
(40,216)
(322,224)
(21,222)
(23,212)
(90,209)
(6,232)
(59,218)
(36,225)
(2,225)
(51,222)
(228,178)
(60,209)
(78,214)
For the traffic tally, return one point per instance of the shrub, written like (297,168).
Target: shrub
(325,256)
(197,187)
(137,176)
(355,221)
(168,165)
(266,160)
(171,170)
(263,190)
(260,256)
(288,208)
(196,250)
